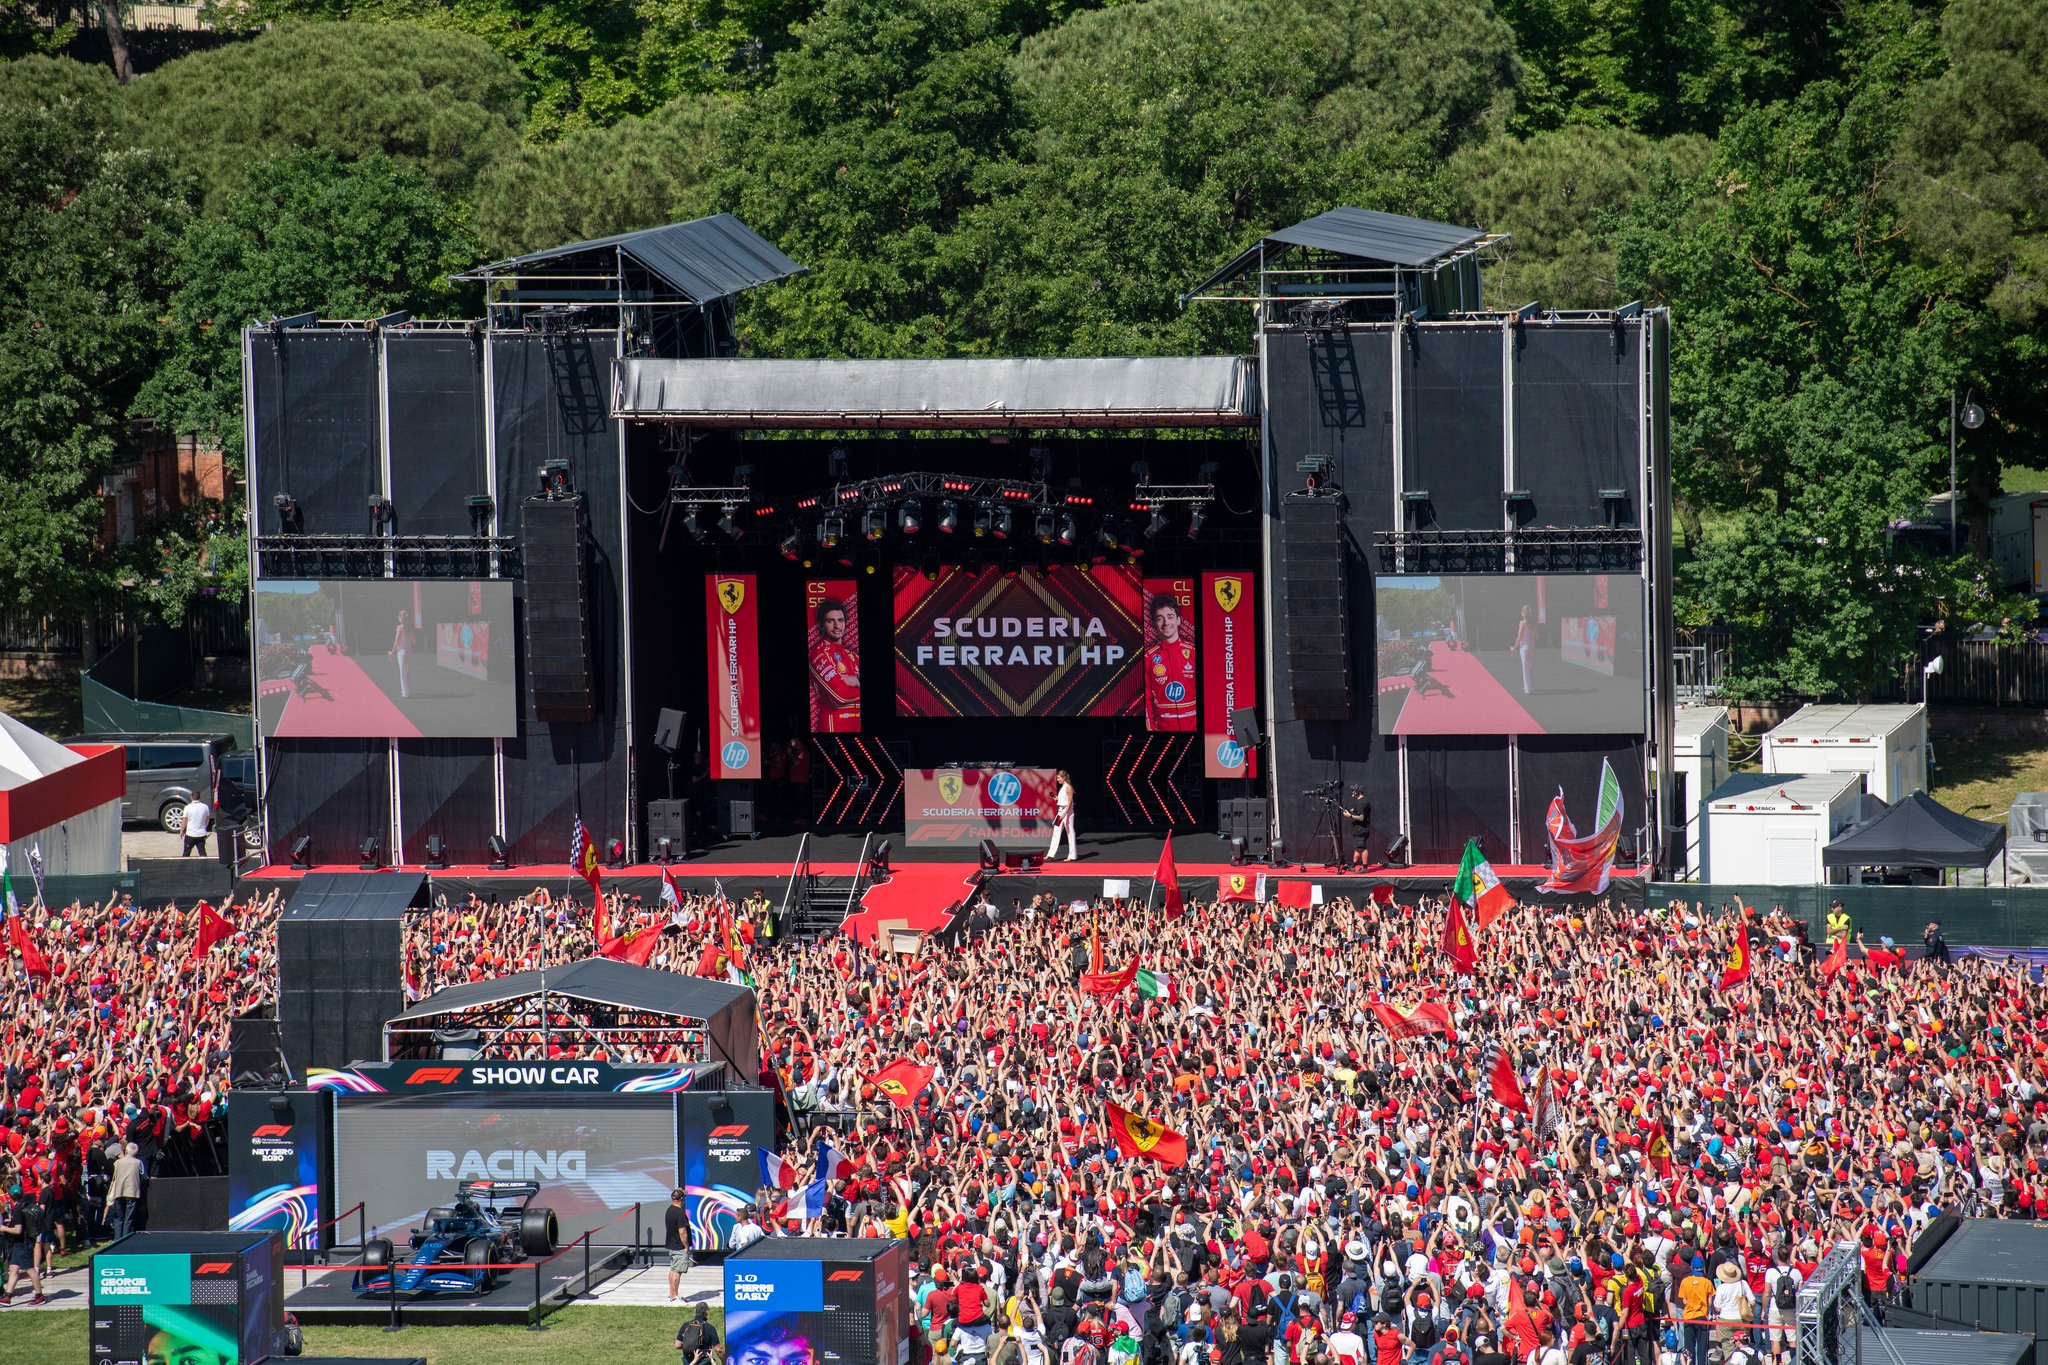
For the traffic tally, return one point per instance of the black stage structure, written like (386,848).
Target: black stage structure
(1438,437)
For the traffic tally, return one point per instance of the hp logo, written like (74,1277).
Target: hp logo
(1004,789)
(734,754)
(1230,754)
(1176,691)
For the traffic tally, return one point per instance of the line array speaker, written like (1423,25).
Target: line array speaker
(1313,569)
(556,557)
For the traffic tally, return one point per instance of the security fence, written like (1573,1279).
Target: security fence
(1971,916)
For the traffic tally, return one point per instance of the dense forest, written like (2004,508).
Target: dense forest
(1842,204)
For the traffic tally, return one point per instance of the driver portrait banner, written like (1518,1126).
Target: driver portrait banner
(832,653)
(1230,679)
(985,644)
(1170,655)
(733,642)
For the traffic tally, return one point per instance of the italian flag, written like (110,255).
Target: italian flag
(1478,889)
(1155,986)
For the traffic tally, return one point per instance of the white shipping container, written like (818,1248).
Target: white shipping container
(1760,827)
(1887,745)
(2018,526)
(1699,763)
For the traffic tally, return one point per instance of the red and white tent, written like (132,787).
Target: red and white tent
(62,800)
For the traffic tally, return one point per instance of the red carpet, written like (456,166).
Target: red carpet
(919,894)
(359,706)
(1478,704)
(738,877)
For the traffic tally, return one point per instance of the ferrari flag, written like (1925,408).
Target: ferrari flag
(1737,968)
(583,858)
(1110,983)
(902,1081)
(1584,864)
(1136,1135)
(1458,944)
(1497,1074)
(1414,1020)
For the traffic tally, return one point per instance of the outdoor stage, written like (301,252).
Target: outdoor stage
(928,885)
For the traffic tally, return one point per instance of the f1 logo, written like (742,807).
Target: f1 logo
(272,1130)
(836,1276)
(729,1130)
(434,1075)
(214,1268)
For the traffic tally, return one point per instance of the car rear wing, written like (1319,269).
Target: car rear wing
(495,1191)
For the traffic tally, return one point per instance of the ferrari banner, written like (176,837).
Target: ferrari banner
(902,1081)
(1169,658)
(1230,677)
(833,648)
(733,643)
(1135,1135)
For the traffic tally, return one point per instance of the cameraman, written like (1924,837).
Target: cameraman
(697,1339)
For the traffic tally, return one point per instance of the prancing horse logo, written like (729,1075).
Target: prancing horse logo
(949,788)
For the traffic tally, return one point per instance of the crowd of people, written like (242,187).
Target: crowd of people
(1685,1149)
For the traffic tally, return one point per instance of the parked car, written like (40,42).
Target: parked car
(167,770)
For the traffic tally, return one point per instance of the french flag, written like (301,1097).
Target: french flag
(808,1203)
(832,1164)
(776,1173)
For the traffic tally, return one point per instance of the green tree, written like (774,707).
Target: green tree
(1167,135)
(88,234)
(1808,375)
(1974,175)
(638,173)
(1558,194)
(889,121)
(442,102)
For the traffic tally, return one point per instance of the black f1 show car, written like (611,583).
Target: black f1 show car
(461,1245)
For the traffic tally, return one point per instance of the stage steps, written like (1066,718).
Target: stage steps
(819,905)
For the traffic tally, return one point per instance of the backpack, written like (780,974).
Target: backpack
(1786,1294)
(1256,1298)
(1134,1285)
(692,1338)
(1170,1310)
(1286,1309)
(1359,1304)
(1654,1306)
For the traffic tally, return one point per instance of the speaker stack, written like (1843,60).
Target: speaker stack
(552,545)
(1313,571)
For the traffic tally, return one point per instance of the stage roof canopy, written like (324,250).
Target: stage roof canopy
(1110,392)
(704,259)
(1917,831)
(727,1010)
(1361,234)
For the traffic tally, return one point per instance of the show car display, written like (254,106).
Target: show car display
(461,1247)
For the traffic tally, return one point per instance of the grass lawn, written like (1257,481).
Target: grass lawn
(1980,777)
(51,706)
(611,1335)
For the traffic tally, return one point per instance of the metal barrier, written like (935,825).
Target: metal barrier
(1971,916)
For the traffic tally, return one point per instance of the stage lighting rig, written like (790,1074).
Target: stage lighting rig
(1003,524)
(302,852)
(554,480)
(910,518)
(831,531)
(501,856)
(874,523)
(984,519)
(792,546)
(690,525)
(370,849)
(291,518)
(949,517)
(481,508)
(1045,528)
(1069,531)
(727,521)
(1197,519)
(1157,524)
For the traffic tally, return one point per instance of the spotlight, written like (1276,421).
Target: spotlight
(878,862)
(792,546)
(1045,527)
(664,850)
(1003,524)
(1198,518)
(1157,524)
(501,857)
(554,479)
(691,528)
(615,854)
(991,858)
(480,509)
(371,847)
(830,531)
(984,519)
(302,852)
(910,520)
(437,852)
(949,517)
(727,522)
(874,523)
(290,519)
(380,513)
(1107,537)
(1069,532)
(1278,853)
(1397,852)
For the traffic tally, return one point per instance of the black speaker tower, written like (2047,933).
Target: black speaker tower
(1313,573)
(556,562)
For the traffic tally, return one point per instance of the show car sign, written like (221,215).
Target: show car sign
(379,1078)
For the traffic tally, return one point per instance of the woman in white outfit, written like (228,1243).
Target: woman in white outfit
(401,645)
(1525,644)
(1063,818)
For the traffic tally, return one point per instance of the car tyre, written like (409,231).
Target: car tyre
(172,817)
(538,1232)
(377,1253)
(477,1253)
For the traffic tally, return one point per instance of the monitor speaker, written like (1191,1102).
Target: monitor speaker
(1244,727)
(1314,571)
(737,815)
(555,558)
(668,820)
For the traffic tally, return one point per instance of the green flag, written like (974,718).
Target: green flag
(1609,808)
(7,884)
(1465,889)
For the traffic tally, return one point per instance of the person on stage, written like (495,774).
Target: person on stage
(1063,818)
(835,672)
(1169,669)
(1525,644)
(1356,814)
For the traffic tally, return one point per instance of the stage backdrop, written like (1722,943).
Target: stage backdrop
(731,615)
(1230,673)
(832,618)
(982,644)
(1169,663)
(963,806)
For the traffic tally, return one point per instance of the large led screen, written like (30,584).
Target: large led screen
(385,658)
(595,1156)
(980,643)
(1510,654)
